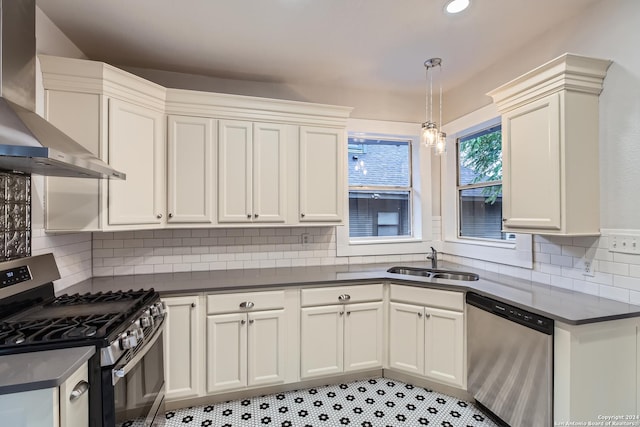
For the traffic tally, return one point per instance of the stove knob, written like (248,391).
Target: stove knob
(137,332)
(145,321)
(128,341)
(157,310)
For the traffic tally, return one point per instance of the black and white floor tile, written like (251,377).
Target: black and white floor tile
(367,403)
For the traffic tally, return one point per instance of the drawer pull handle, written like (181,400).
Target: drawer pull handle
(246,304)
(80,389)
(344,297)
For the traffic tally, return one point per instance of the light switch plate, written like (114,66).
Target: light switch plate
(626,244)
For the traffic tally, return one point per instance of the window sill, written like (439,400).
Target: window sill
(517,254)
(382,247)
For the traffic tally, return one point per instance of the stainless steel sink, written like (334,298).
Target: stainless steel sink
(434,273)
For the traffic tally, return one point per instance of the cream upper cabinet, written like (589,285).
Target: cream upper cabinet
(322,182)
(550,147)
(137,147)
(343,337)
(426,333)
(252,172)
(182,347)
(119,117)
(191,150)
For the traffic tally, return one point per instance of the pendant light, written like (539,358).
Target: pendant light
(431,135)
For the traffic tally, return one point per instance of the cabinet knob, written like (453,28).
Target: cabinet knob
(255,215)
(302,215)
(419,314)
(348,313)
(159,216)
(344,297)
(249,216)
(242,322)
(193,305)
(80,389)
(341,313)
(504,219)
(251,321)
(170,215)
(427,315)
(246,304)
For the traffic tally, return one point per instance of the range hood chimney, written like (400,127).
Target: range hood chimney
(29,143)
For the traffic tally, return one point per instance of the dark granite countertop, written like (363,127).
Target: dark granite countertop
(40,369)
(559,304)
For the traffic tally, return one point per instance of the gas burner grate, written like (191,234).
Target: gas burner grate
(52,330)
(89,298)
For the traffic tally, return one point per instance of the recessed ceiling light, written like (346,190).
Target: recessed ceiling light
(456,6)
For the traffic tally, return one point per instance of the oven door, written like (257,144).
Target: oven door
(139,385)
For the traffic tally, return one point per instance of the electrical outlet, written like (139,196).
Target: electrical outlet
(305,238)
(588,268)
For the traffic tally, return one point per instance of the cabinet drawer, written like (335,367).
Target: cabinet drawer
(224,303)
(428,297)
(331,295)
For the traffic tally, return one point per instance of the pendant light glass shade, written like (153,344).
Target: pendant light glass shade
(431,135)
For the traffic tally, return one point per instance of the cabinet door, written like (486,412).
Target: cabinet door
(137,148)
(226,352)
(321,340)
(182,348)
(75,412)
(406,337)
(363,336)
(266,334)
(322,187)
(235,141)
(269,169)
(191,147)
(444,345)
(531,165)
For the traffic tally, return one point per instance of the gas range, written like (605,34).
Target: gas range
(124,326)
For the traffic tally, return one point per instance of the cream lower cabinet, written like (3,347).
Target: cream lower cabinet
(426,340)
(341,337)
(50,407)
(182,347)
(245,350)
(246,340)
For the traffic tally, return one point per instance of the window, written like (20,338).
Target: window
(380,188)
(388,177)
(471,194)
(479,184)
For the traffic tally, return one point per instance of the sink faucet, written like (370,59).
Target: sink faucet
(433,257)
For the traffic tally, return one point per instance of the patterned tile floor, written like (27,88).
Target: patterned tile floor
(367,403)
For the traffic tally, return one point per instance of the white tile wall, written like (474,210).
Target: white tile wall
(165,251)
(558,261)
(72,252)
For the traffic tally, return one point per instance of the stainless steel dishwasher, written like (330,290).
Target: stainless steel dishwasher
(510,361)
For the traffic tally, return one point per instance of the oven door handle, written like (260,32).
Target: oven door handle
(116,374)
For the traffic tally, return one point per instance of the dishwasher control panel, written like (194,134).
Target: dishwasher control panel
(515,314)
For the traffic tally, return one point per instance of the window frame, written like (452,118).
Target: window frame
(386,188)
(421,216)
(517,253)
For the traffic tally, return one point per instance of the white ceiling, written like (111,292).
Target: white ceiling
(369,44)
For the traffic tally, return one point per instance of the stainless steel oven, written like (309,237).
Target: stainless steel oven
(126,374)
(139,386)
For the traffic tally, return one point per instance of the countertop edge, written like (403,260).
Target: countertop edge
(76,357)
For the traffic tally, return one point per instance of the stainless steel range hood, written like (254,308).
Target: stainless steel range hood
(29,143)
